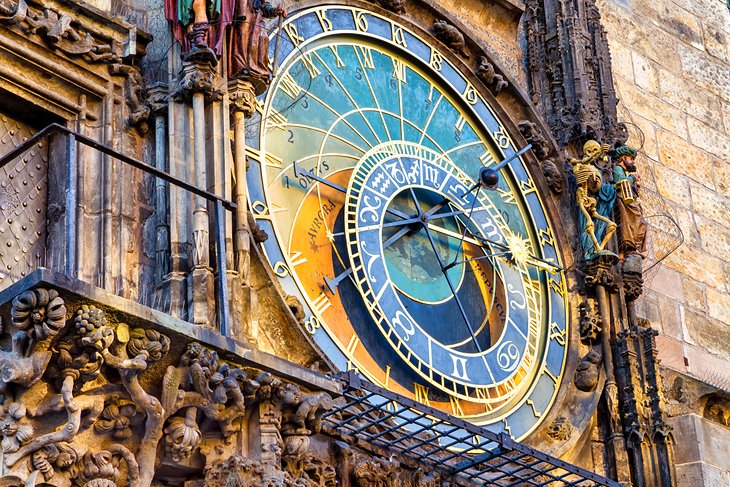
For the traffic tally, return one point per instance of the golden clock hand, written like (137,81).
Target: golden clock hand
(444,271)
(462,310)
(485,242)
(300,171)
(333,283)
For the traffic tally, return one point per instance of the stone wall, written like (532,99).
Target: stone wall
(671,64)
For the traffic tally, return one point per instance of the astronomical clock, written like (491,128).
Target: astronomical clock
(403,217)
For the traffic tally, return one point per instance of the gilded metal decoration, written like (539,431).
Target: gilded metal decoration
(594,199)
(359,139)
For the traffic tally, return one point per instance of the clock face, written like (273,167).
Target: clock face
(364,156)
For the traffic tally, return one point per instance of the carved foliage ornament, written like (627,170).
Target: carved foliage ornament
(101,387)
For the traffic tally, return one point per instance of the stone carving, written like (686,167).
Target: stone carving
(397,6)
(632,273)
(197,75)
(495,82)
(14,427)
(560,430)
(296,307)
(182,436)
(57,456)
(377,472)
(238,471)
(594,199)
(587,372)
(136,96)
(590,324)
(61,32)
(118,418)
(430,479)
(259,235)
(600,272)
(714,412)
(450,35)
(106,404)
(37,315)
(532,134)
(553,176)
(569,70)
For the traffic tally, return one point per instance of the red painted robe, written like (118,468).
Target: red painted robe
(248,50)
(217,31)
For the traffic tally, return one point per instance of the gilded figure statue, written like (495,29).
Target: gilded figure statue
(595,200)
(632,231)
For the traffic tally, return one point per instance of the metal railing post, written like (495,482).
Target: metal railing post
(220,240)
(71,190)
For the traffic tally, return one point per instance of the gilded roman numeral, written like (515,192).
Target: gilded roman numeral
(487,159)
(557,334)
(276,119)
(323,20)
(321,304)
(338,60)
(456,408)
(399,36)
(459,125)
(421,393)
(273,161)
(353,344)
(399,70)
(366,56)
(310,66)
(293,32)
(470,94)
(437,60)
(297,258)
(290,86)
(546,237)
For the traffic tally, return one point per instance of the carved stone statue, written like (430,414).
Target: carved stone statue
(595,200)
(248,50)
(632,232)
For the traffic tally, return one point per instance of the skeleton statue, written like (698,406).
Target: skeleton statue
(593,203)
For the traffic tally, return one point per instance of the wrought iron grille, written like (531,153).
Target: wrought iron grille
(455,447)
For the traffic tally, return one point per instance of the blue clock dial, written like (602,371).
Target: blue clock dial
(366,148)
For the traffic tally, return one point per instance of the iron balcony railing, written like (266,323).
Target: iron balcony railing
(71,237)
(448,444)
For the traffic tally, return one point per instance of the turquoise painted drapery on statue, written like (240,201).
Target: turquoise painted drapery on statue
(185,11)
(605,201)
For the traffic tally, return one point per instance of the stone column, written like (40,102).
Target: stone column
(601,275)
(242,104)
(157,101)
(196,81)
